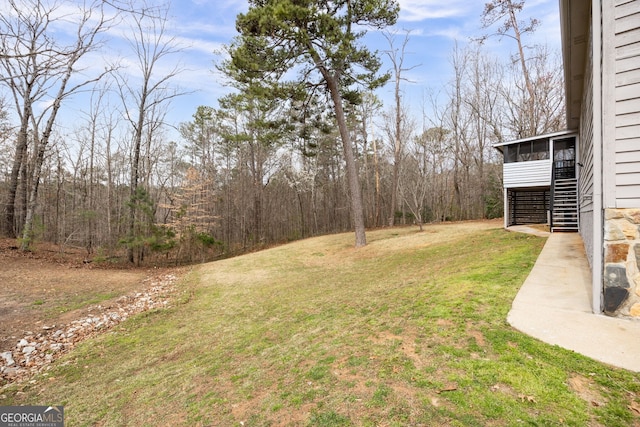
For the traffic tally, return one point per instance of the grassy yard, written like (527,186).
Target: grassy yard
(408,331)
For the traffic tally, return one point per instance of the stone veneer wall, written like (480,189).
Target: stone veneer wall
(622,262)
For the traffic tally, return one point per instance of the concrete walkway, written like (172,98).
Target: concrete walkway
(554,305)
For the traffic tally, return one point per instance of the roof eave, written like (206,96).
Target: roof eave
(533,138)
(574,26)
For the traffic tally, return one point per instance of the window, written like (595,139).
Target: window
(564,149)
(526,151)
(540,150)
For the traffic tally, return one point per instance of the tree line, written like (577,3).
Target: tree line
(276,159)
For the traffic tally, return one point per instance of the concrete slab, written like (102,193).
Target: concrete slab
(537,230)
(554,306)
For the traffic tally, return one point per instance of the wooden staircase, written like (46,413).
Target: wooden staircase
(564,210)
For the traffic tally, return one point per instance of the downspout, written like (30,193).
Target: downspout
(598,140)
(505,208)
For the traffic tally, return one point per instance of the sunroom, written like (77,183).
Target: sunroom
(540,181)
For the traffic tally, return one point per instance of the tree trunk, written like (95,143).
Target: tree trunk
(377,173)
(18,163)
(42,143)
(397,151)
(132,192)
(350,162)
(109,189)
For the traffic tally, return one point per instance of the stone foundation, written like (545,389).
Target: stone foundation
(621,277)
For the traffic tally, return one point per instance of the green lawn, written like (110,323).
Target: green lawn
(408,331)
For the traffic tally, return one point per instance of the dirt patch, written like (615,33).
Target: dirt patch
(47,290)
(586,389)
(476,335)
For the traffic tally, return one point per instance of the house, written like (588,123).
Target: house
(540,179)
(588,179)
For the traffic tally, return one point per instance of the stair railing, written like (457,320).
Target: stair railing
(552,192)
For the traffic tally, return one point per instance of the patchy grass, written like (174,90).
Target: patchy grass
(409,330)
(79,301)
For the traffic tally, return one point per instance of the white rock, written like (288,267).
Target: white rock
(8,358)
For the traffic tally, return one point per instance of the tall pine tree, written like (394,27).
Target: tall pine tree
(320,40)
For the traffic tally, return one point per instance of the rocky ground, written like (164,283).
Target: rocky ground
(45,307)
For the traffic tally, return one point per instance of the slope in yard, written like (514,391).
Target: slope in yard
(409,330)
(46,286)
(51,299)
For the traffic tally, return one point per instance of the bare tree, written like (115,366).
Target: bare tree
(507,10)
(436,145)
(108,135)
(25,73)
(525,116)
(472,116)
(484,106)
(413,186)
(95,131)
(367,112)
(145,99)
(398,128)
(534,108)
(457,121)
(42,68)
(5,138)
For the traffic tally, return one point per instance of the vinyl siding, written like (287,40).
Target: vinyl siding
(585,157)
(535,173)
(627,103)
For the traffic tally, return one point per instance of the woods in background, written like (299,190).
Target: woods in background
(266,164)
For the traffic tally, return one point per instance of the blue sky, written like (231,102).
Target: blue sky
(434,25)
(202,27)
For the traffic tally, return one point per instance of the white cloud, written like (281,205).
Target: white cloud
(205,29)
(420,10)
(233,5)
(198,46)
(452,33)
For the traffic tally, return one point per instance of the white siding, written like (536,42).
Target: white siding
(585,157)
(536,173)
(627,100)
